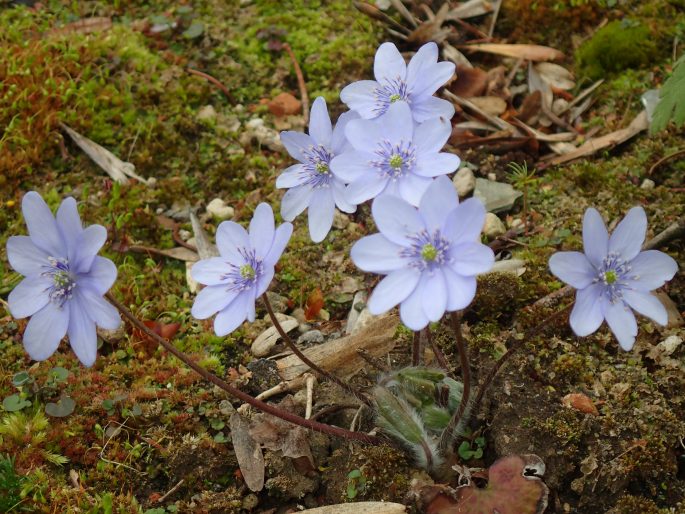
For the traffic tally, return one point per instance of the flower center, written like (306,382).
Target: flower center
(395,161)
(610,277)
(316,166)
(394,98)
(247,272)
(322,167)
(63,280)
(389,92)
(429,252)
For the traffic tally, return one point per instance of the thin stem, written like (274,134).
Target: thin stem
(515,344)
(233,391)
(439,356)
(447,434)
(289,342)
(416,349)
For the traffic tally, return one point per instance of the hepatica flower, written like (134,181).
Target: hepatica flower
(392,155)
(311,183)
(613,276)
(395,81)
(431,256)
(242,272)
(65,280)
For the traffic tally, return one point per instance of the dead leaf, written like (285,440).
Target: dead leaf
(536,83)
(530,108)
(470,9)
(360,508)
(555,75)
(518,51)
(470,82)
(284,104)
(248,452)
(313,305)
(580,402)
(205,248)
(83,26)
(493,105)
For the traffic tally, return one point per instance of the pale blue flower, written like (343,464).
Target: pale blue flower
(395,81)
(242,272)
(613,276)
(65,280)
(431,256)
(393,155)
(311,183)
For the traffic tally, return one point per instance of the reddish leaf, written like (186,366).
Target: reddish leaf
(313,305)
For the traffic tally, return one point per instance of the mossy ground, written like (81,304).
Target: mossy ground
(142,421)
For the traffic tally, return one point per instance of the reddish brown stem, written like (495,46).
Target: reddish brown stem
(416,349)
(233,391)
(300,83)
(439,356)
(211,79)
(317,369)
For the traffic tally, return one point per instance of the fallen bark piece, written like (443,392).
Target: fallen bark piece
(117,169)
(340,355)
(592,146)
(360,508)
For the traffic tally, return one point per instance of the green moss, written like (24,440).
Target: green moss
(615,47)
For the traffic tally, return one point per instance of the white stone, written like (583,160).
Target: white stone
(268,339)
(464,181)
(340,220)
(365,317)
(192,284)
(265,136)
(219,209)
(647,184)
(354,314)
(669,345)
(493,226)
(206,113)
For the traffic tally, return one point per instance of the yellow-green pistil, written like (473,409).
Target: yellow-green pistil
(247,271)
(429,252)
(395,161)
(610,277)
(394,98)
(322,167)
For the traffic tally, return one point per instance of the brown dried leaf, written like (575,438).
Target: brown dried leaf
(493,105)
(84,26)
(248,452)
(519,51)
(284,104)
(555,75)
(314,304)
(470,82)
(580,402)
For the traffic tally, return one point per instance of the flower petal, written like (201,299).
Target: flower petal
(647,305)
(296,143)
(321,211)
(42,226)
(376,254)
(465,223)
(212,299)
(411,310)
(45,330)
(397,123)
(360,97)
(29,296)
(471,258)
(231,237)
(433,78)
(421,62)
(430,136)
(339,196)
(393,289)
(396,219)
(426,108)
(435,164)
(434,294)
(352,165)
(101,276)
(365,188)
(232,316)
(264,281)
(24,256)
(595,237)
(103,313)
(412,188)
(587,316)
(70,226)
(262,228)
(573,268)
(437,202)
(88,244)
(651,269)
(628,236)
(621,321)
(339,141)
(320,128)
(82,337)
(295,201)
(251,308)
(292,176)
(389,63)
(210,272)
(281,238)
(460,290)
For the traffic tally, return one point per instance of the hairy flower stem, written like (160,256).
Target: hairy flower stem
(289,342)
(450,431)
(439,356)
(514,344)
(416,349)
(233,391)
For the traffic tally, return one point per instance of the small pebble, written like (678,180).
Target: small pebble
(493,226)
(219,209)
(464,181)
(206,113)
(311,337)
(267,339)
(340,220)
(647,184)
